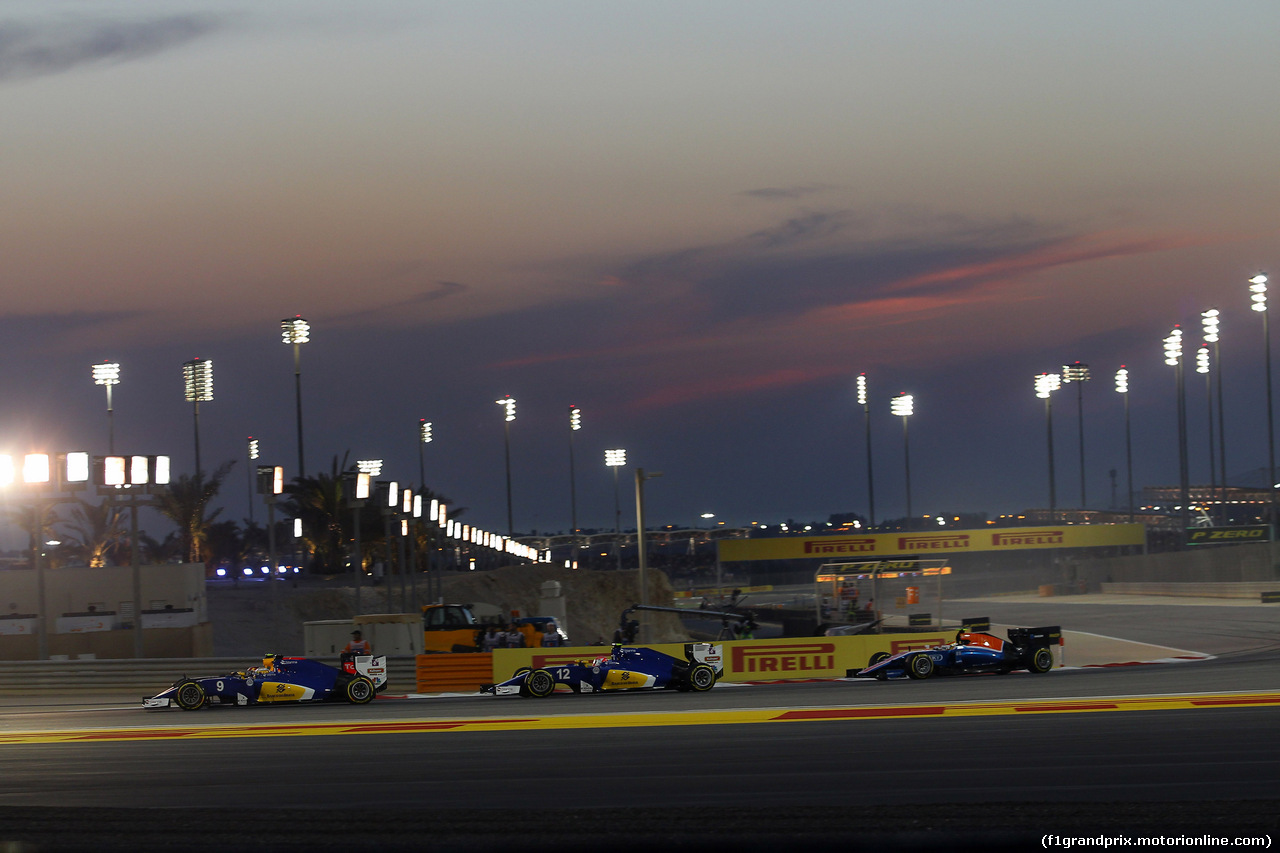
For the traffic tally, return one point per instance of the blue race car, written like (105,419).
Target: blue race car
(1026,648)
(280,679)
(626,668)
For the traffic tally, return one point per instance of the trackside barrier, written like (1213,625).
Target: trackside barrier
(30,677)
(794,658)
(447,673)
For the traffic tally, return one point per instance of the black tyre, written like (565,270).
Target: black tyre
(189,696)
(1041,660)
(920,666)
(701,678)
(359,691)
(521,671)
(877,657)
(539,684)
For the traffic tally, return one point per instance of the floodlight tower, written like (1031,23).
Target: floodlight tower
(108,374)
(866,419)
(1045,385)
(1122,387)
(615,459)
(1258,287)
(424,438)
(1173,358)
(509,415)
(903,405)
(575,424)
(1079,374)
(197,377)
(295,332)
(1210,323)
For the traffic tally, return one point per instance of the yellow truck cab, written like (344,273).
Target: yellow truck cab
(449,628)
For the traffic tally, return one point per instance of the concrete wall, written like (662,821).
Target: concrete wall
(75,590)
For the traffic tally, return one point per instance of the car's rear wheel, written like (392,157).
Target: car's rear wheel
(701,678)
(920,666)
(359,691)
(1041,660)
(189,696)
(877,657)
(539,684)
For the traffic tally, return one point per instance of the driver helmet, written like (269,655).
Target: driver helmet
(270,661)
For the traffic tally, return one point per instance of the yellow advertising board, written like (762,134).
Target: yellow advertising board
(748,660)
(871,546)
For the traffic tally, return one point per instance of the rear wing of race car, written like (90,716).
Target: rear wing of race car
(1034,638)
(708,653)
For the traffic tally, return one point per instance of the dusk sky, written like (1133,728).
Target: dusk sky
(698,221)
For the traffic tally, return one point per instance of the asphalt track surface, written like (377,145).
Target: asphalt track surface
(989,762)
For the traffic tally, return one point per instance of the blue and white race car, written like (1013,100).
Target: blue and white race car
(1026,648)
(626,668)
(280,679)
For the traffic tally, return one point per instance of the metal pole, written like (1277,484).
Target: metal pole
(617,519)
(271,578)
(401,565)
(357,559)
(906,456)
(1208,399)
(1080,426)
(1222,434)
(1128,454)
(1184,483)
(1053,486)
(37,549)
(297,386)
(506,434)
(573,499)
(111,424)
(644,562)
(136,571)
(196,418)
(871,485)
(1271,440)
(413,567)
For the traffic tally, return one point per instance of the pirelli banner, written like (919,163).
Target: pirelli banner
(876,545)
(749,660)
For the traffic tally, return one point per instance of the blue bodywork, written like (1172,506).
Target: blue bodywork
(625,668)
(1026,649)
(280,679)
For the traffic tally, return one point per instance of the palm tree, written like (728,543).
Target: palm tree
(98,531)
(320,501)
(184,503)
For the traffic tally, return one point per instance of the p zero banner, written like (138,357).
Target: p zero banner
(870,546)
(1228,535)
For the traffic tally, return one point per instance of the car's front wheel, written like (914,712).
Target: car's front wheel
(701,678)
(1041,661)
(920,666)
(877,657)
(189,696)
(539,684)
(359,690)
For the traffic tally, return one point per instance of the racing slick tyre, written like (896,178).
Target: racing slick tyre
(189,696)
(701,678)
(359,691)
(1041,660)
(521,671)
(539,684)
(877,657)
(920,666)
